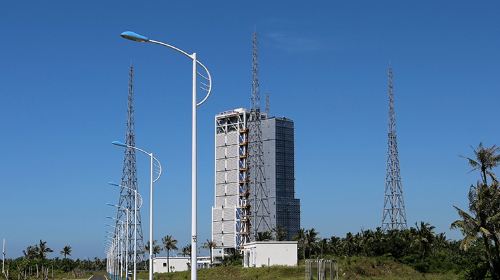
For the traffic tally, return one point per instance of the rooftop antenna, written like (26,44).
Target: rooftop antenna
(261,221)
(268,105)
(394,214)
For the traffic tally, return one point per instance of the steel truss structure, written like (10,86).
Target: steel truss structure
(129,182)
(394,214)
(261,218)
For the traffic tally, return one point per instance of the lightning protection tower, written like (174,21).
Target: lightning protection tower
(259,193)
(394,214)
(129,180)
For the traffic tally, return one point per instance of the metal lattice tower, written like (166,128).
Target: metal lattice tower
(260,220)
(129,179)
(394,215)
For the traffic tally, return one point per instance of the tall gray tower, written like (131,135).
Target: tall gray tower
(259,193)
(129,178)
(394,214)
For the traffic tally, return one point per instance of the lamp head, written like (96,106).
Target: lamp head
(118,143)
(134,36)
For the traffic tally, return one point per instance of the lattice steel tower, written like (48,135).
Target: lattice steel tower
(129,180)
(394,215)
(259,193)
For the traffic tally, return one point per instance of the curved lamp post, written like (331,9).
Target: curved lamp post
(208,88)
(126,234)
(151,182)
(136,194)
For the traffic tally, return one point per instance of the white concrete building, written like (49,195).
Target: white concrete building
(269,253)
(177,264)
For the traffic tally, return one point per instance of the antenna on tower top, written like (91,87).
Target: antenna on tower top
(394,214)
(268,104)
(261,217)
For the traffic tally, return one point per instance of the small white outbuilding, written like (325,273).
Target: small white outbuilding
(268,253)
(160,264)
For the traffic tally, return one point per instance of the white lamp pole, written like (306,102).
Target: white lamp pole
(194,180)
(126,240)
(136,195)
(151,182)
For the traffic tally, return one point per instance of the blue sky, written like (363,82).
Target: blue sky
(63,86)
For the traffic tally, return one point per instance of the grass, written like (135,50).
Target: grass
(349,268)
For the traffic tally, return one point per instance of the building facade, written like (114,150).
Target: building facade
(232,208)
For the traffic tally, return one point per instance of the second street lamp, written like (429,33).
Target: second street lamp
(129,35)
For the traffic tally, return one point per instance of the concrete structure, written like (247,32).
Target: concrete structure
(230,215)
(178,264)
(269,253)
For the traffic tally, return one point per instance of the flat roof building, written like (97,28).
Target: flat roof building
(231,223)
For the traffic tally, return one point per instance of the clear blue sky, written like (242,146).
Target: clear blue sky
(63,86)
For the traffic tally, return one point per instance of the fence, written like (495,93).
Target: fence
(320,269)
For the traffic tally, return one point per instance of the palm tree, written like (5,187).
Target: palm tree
(209,244)
(483,221)
(424,238)
(311,239)
(169,243)
(186,250)
(280,233)
(66,251)
(486,158)
(42,250)
(156,248)
(301,238)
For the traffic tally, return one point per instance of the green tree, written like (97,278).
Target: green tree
(42,250)
(209,244)
(280,233)
(311,238)
(301,239)
(186,250)
(424,238)
(483,221)
(169,243)
(486,158)
(264,236)
(66,251)
(156,248)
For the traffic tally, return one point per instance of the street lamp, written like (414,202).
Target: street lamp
(135,222)
(208,88)
(151,181)
(126,234)
(118,232)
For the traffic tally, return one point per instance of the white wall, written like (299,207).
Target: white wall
(268,253)
(176,264)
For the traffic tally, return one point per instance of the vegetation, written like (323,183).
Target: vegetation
(482,224)
(36,265)
(169,243)
(66,251)
(210,245)
(156,248)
